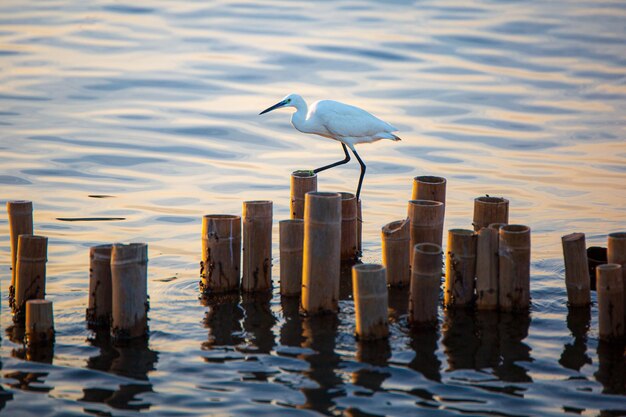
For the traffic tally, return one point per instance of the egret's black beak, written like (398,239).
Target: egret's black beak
(274,107)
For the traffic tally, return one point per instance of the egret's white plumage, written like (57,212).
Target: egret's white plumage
(342,122)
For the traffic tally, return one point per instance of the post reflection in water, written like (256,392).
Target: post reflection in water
(320,333)
(345,281)
(611,371)
(33,353)
(123,398)
(574,354)
(424,342)
(258,321)
(376,353)
(487,340)
(291,330)
(223,320)
(398,299)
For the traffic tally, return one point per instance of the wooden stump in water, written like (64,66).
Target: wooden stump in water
(349,243)
(426,217)
(370,301)
(321,264)
(257,246)
(514,258)
(425,283)
(221,253)
(291,244)
(396,238)
(427,187)
(610,301)
(129,283)
(487,267)
(576,269)
(489,210)
(460,268)
(301,183)
(30,280)
(39,322)
(20,213)
(99,306)
(616,254)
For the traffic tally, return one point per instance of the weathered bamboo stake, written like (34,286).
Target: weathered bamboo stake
(257,246)
(396,238)
(221,253)
(370,301)
(301,183)
(426,218)
(20,214)
(427,187)
(425,283)
(487,267)
(359,229)
(129,283)
(576,269)
(489,210)
(30,280)
(349,243)
(610,301)
(460,268)
(99,306)
(321,264)
(514,259)
(616,254)
(291,243)
(39,322)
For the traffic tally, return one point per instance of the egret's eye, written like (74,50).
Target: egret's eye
(288,100)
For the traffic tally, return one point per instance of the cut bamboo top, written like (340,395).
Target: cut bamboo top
(327,207)
(37,248)
(425,212)
(221,226)
(427,187)
(128,254)
(101,252)
(612,281)
(396,230)
(258,209)
(19,207)
(291,235)
(348,207)
(516,235)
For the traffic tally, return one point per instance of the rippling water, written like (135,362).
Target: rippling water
(147,114)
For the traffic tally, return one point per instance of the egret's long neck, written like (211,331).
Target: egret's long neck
(298,118)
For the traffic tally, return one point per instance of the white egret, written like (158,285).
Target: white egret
(344,123)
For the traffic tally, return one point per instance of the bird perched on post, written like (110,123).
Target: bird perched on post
(344,123)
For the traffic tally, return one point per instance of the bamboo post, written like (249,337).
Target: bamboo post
(39,322)
(460,268)
(349,243)
(425,283)
(321,263)
(576,269)
(616,254)
(427,187)
(129,283)
(291,243)
(301,183)
(99,305)
(257,246)
(514,259)
(30,280)
(487,267)
(610,301)
(426,218)
(370,301)
(396,252)
(489,210)
(20,213)
(359,229)
(221,253)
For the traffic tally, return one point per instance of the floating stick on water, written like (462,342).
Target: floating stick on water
(395,238)
(257,246)
(321,264)
(370,301)
(514,262)
(576,269)
(460,268)
(425,283)
(291,244)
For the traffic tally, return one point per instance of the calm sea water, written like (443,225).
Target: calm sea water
(149,112)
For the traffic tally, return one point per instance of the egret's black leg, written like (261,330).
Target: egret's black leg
(363,167)
(343,161)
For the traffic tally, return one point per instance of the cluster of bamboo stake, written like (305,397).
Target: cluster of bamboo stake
(610,282)
(28,276)
(118,290)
